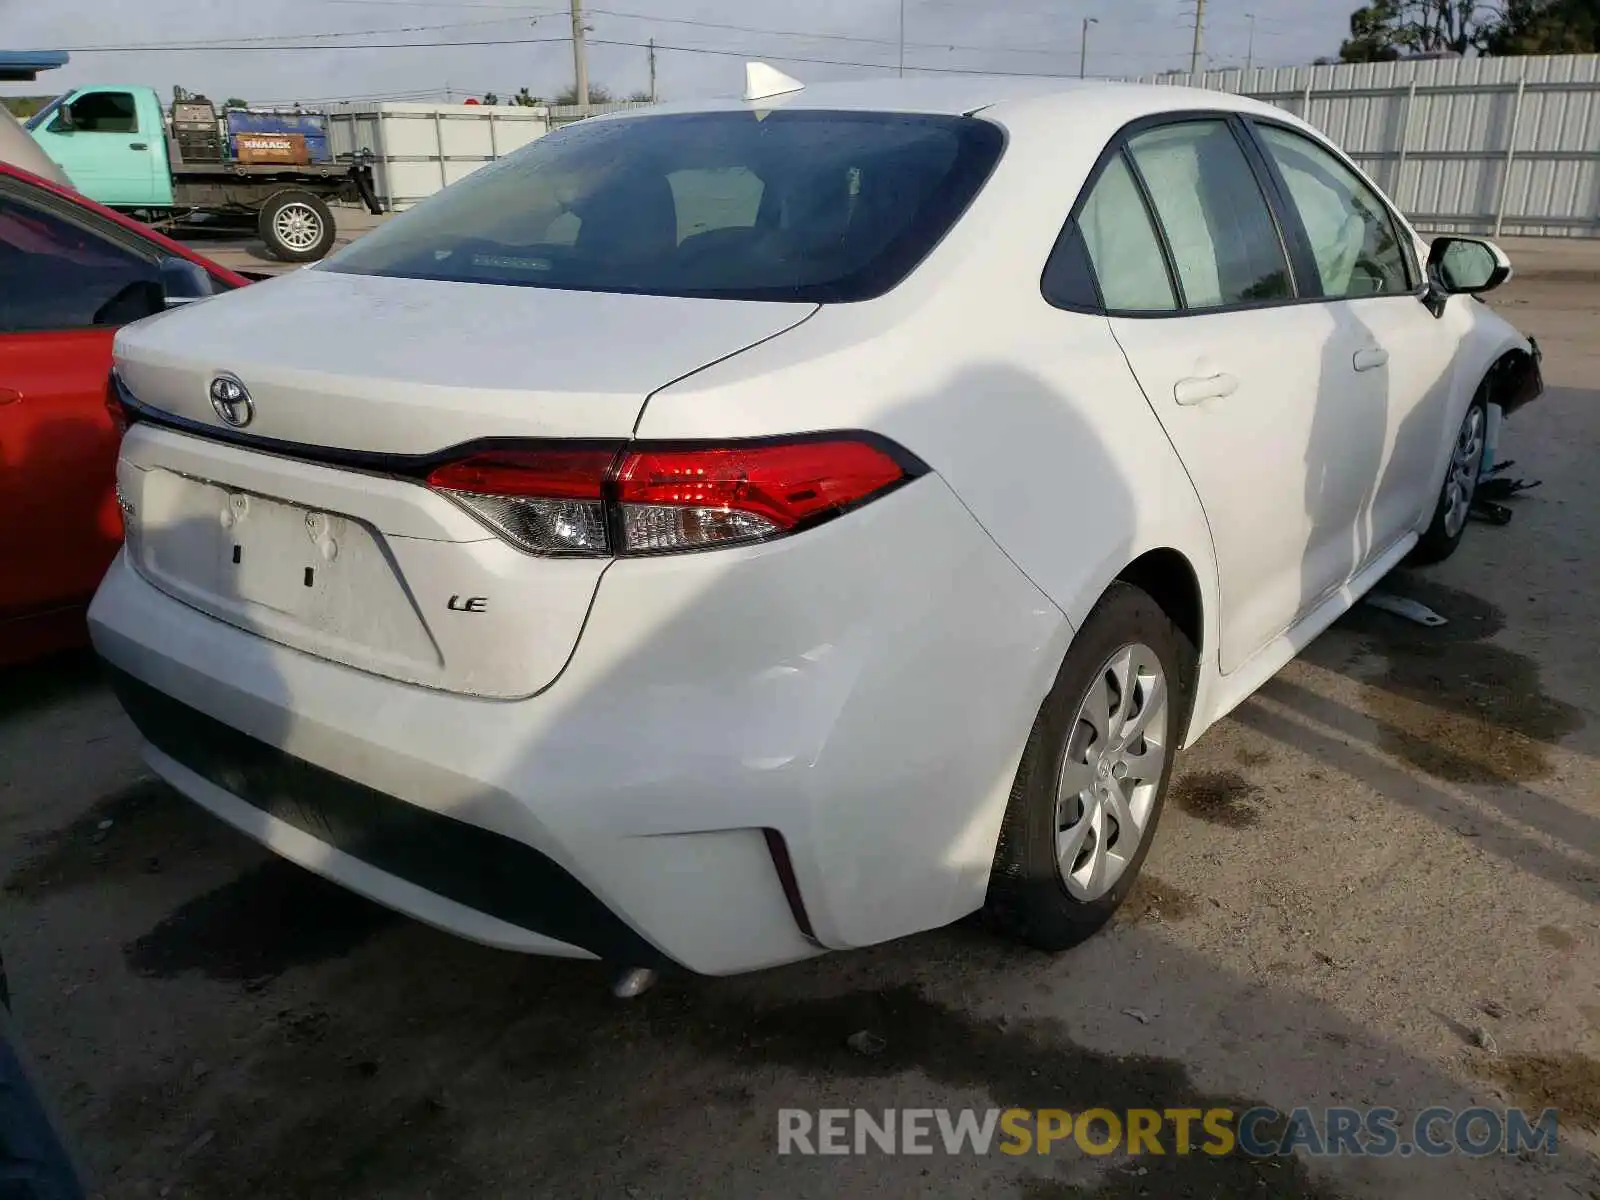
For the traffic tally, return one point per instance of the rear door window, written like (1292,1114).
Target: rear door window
(1225,245)
(1123,246)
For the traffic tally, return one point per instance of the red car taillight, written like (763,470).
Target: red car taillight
(643,499)
(120,417)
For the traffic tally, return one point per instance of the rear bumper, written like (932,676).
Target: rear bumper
(753,755)
(456,862)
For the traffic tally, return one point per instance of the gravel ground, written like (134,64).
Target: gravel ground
(1376,884)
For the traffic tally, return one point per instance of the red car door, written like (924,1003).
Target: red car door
(58,452)
(69,276)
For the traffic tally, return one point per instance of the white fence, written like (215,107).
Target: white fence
(1480,145)
(418,149)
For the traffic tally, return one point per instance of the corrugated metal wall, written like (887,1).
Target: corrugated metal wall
(1479,145)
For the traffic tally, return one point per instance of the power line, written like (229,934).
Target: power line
(261,39)
(700,24)
(746,54)
(827,37)
(321,46)
(325,47)
(431,4)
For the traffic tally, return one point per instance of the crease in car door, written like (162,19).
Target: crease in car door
(1230,367)
(1398,415)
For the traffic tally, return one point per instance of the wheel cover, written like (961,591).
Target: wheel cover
(1466,463)
(297,226)
(1111,772)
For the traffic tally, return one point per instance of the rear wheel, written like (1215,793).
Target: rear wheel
(1093,778)
(1460,485)
(296,226)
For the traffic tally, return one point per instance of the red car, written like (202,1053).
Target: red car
(71,272)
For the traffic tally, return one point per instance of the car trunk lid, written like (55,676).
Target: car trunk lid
(309,523)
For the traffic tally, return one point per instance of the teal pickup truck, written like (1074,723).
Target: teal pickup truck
(117,147)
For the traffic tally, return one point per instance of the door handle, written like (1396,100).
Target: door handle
(1370,359)
(138,145)
(9,396)
(1211,387)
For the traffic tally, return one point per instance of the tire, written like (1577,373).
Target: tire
(296,226)
(1030,895)
(1450,510)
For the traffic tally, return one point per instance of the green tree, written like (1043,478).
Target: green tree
(23,107)
(599,93)
(1384,30)
(524,99)
(641,96)
(491,99)
(1547,27)
(235,102)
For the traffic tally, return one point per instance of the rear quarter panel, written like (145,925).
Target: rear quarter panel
(1029,413)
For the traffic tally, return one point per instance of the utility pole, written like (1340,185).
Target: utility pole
(1083,47)
(580,61)
(902,38)
(652,70)
(1250,55)
(1199,35)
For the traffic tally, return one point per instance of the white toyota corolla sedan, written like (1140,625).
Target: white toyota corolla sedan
(729,532)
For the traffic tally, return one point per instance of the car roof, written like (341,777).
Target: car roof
(956,95)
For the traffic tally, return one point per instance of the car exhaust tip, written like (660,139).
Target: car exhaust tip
(633,982)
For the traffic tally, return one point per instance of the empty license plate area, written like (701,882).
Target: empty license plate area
(278,554)
(320,581)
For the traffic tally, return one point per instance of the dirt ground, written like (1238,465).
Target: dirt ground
(1376,884)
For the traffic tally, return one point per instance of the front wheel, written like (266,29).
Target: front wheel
(1094,775)
(296,226)
(1460,486)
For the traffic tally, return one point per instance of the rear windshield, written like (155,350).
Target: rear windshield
(815,206)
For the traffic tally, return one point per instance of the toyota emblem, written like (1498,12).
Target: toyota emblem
(231,400)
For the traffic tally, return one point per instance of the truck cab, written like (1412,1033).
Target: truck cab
(112,143)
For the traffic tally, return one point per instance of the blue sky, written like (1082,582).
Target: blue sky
(1042,36)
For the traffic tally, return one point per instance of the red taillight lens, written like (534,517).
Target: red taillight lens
(649,499)
(551,474)
(120,419)
(784,484)
(684,499)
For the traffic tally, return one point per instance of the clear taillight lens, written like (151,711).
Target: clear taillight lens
(643,499)
(544,501)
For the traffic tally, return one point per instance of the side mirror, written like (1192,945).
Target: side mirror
(1467,266)
(184,282)
(63,121)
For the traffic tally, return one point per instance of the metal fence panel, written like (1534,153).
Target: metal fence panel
(1477,145)
(418,149)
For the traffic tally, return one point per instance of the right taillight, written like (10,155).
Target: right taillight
(639,498)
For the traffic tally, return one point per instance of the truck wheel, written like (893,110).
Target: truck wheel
(296,226)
